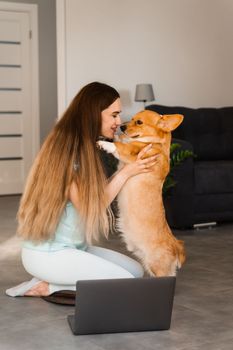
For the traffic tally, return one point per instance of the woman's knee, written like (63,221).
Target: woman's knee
(122,260)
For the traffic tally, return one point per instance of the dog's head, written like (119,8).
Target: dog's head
(150,125)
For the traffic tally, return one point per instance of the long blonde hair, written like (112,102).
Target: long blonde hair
(72,142)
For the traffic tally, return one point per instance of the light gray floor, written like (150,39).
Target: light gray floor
(202,314)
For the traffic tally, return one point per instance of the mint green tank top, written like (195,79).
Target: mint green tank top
(69,233)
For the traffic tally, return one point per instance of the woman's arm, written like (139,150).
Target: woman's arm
(118,180)
(74,196)
(140,166)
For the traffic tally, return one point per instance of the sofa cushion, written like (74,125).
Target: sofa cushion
(209,130)
(212,177)
(214,207)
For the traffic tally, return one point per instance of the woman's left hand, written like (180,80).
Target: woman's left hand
(140,165)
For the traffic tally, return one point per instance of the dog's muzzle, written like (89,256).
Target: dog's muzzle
(123,127)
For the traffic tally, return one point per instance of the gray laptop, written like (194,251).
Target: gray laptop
(123,305)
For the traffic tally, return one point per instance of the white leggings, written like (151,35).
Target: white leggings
(63,268)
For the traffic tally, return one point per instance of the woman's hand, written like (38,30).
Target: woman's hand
(141,165)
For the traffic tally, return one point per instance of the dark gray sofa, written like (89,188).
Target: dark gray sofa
(204,190)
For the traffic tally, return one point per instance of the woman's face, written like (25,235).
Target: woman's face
(111,119)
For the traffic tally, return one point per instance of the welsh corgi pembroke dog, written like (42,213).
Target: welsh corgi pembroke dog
(142,220)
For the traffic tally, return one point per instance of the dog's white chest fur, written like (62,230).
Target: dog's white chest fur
(109,147)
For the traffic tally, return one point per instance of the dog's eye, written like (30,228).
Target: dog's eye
(139,122)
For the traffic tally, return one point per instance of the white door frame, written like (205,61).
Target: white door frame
(31,9)
(61,55)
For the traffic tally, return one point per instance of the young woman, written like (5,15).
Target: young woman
(65,205)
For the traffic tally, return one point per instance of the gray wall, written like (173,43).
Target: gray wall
(47,62)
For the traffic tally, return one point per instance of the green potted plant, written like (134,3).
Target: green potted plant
(177,157)
(172,197)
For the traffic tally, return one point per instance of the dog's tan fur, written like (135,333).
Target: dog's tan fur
(142,217)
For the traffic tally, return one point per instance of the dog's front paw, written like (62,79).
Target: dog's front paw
(109,147)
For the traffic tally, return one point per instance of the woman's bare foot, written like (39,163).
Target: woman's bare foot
(39,290)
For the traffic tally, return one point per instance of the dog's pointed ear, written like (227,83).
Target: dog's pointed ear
(169,122)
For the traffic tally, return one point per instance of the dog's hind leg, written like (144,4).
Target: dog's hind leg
(161,263)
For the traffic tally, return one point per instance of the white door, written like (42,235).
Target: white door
(17,146)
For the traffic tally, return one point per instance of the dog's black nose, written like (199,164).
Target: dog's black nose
(123,127)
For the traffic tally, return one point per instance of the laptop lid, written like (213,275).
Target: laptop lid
(123,305)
